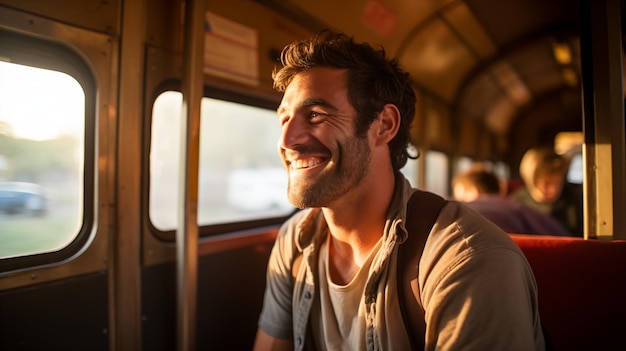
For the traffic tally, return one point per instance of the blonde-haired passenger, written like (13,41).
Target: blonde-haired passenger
(546,189)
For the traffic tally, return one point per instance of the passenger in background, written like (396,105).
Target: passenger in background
(546,188)
(481,190)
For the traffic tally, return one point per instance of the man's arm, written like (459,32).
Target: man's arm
(488,301)
(264,342)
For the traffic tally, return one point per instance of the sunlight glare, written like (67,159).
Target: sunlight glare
(40,104)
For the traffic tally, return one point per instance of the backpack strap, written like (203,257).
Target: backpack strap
(422,211)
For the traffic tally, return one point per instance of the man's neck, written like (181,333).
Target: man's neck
(355,225)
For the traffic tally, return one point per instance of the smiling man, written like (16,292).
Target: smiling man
(328,161)
(334,278)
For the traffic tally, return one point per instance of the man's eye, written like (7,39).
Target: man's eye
(316,115)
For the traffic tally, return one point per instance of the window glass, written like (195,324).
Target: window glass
(240,178)
(42,152)
(411,169)
(437,173)
(569,145)
(464,163)
(502,170)
(575,173)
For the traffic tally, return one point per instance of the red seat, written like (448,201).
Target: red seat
(582,290)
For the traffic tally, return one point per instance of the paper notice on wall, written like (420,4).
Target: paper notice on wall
(231,50)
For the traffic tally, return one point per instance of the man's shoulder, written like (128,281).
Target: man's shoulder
(290,226)
(301,228)
(460,226)
(496,203)
(462,239)
(296,217)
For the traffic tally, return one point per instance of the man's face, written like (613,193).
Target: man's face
(318,145)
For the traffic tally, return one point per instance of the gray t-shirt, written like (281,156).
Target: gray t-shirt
(338,317)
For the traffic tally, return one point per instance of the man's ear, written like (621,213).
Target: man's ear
(388,124)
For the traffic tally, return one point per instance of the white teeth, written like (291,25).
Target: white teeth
(300,164)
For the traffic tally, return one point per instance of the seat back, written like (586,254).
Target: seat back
(582,290)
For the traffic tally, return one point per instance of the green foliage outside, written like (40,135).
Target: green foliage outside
(25,235)
(53,164)
(31,160)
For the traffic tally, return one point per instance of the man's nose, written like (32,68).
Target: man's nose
(293,133)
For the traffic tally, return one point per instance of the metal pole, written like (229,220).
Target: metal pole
(187,233)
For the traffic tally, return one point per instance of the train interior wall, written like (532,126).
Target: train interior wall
(230,295)
(72,314)
(68,314)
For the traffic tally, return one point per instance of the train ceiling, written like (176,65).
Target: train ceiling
(491,60)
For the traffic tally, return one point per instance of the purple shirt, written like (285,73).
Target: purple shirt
(515,217)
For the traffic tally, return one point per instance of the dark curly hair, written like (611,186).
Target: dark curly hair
(373,81)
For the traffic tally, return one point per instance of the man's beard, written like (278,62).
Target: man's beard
(351,167)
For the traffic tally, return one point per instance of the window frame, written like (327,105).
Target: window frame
(40,53)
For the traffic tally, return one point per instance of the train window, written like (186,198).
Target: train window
(500,169)
(411,169)
(42,152)
(569,144)
(575,173)
(437,167)
(464,163)
(241,177)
